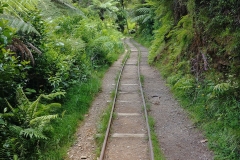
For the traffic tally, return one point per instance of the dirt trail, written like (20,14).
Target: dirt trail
(179,139)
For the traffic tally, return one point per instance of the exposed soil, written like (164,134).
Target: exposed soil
(178,137)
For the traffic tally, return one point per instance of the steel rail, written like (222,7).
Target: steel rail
(113,106)
(114,102)
(144,104)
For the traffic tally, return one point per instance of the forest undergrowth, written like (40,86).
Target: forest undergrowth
(52,52)
(53,55)
(195,46)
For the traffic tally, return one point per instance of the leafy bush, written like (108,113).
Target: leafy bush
(197,51)
(26,125)
(48,56)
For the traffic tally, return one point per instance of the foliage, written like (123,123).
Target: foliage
(12,72)
(77,101)
(144,16)
(26,125)
(104,8)
(48,56)
(195,47)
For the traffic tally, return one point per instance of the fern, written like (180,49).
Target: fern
(221,88)
(61,2)
(15,129)
(29,113)
(53,95)
(19,24)
(26,124)
(15,7)
(185,83)
(32,133)
(41,122)
(143,15)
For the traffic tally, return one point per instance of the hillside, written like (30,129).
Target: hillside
(195,45)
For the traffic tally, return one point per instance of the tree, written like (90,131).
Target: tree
(105,7)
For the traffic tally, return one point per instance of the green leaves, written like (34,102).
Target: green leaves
(221,88)
(29,120)
(20,25)
(32,133)
(105,8)
(2,6)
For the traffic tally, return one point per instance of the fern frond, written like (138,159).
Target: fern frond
(109,45)
(53,106)
(21,97)
(9,105)
(41,122)
(53,95)
(7,115)
(32,133)
(61,2)
(21,5)
(46,109)
(33,107)
(147,17)
(102,39)
(15,129)
(222,87)
(138,18)
(19,24)
(143,10)
(185,83)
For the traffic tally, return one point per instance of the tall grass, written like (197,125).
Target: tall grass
(77,102)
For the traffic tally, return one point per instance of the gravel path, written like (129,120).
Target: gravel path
(179,139)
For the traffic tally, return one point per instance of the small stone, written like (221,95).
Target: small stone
(83,157)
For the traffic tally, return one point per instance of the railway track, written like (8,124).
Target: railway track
(128,135)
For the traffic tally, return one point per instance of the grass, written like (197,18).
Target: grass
(78,100)
(158,155)
(101,130)
(216,114)
(142,79)
(103,124)
(142,40)
(75,105)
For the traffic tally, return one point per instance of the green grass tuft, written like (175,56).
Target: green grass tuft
(158,155)
(78,100)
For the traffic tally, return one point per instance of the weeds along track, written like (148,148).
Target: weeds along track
(128,134)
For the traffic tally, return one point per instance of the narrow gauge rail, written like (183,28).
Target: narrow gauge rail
(130,137)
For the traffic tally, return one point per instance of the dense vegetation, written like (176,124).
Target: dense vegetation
(52,54)
(195,44)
